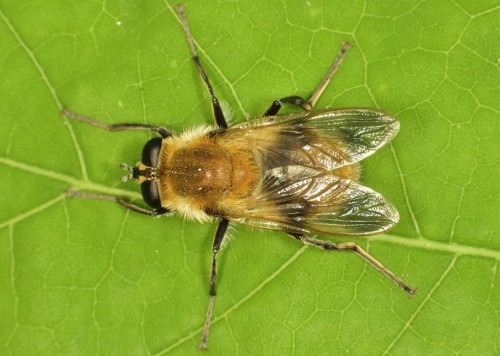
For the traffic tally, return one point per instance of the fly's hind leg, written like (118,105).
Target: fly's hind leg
(309,104)
(293,100)
(351,246)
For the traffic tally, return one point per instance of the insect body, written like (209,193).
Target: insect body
(296,173)
(293,172)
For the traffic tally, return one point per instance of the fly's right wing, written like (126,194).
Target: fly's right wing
(322,139)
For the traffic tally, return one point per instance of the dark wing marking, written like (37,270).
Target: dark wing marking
(321,139)
(324,204)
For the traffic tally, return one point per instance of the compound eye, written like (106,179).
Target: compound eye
(150,194)
(151,152)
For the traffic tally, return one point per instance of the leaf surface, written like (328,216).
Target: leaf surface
(84,277)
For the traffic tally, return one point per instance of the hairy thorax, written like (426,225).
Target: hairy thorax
(205,177)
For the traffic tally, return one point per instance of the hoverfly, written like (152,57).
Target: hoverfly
(297,173)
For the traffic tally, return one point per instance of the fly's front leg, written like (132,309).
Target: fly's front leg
(162,132)
(123,202)
(219,118)
(351,246)
(219,237)
(309,104)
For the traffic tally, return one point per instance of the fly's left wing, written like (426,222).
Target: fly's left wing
(324,204)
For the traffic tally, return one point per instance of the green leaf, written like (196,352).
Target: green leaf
(84,277)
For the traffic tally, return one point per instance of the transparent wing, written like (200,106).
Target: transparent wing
(321,139)
(324,204)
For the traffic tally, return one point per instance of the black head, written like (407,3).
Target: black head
(146,172)
(148,175)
